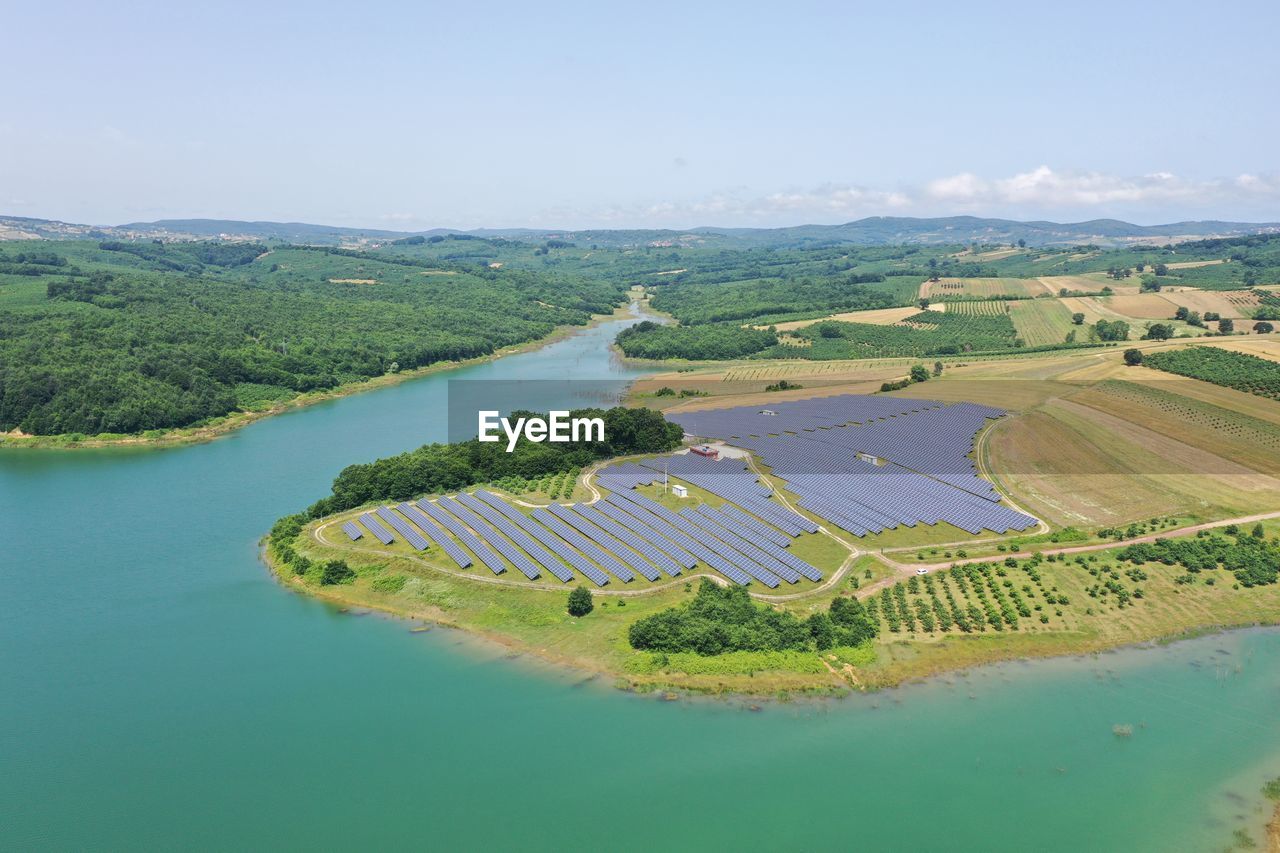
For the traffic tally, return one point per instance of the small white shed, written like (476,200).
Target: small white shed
(679,491)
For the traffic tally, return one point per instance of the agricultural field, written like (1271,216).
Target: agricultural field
(925,333)
(980,288)
(976,308)
(1140,306)
(1236,304)
(1087,283)
(1041,322)
(1221,367)
(875,317)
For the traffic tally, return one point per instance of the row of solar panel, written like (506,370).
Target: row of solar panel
(625,535)
(815,446)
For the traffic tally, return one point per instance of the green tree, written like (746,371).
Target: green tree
(1133,356)
(580,603)
(1160,269)
(1111,330)
(822,631)
(1158,332)
(937,368)
(335,572)
(1258,532)
(1263,328)
(1078,318)
(1226,326)
(919,373)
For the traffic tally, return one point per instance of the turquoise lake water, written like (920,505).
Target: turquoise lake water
(158,689)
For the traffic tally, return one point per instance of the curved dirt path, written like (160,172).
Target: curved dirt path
(1082,549)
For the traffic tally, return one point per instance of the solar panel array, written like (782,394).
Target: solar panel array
(406,530)
(353,532)
(482,551)
(728,478)
(379,532)
(813,445)
(435,534)
(492,537)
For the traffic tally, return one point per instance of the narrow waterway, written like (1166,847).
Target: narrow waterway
(158,689)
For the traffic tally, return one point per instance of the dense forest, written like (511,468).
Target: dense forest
(712,341)
(123,338)
(725,619)
(448,467)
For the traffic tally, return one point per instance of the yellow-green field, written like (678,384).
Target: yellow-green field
(981,287)
(1041,322)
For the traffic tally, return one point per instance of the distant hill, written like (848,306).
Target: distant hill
(874,230)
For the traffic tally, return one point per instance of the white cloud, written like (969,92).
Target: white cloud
(1041,192)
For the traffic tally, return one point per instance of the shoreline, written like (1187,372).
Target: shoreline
(183,436)
(888,672)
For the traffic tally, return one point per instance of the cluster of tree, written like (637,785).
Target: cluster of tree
(1252,558)
(707,341)
(1221,367)
(188,257)
(129,350)
(280,545)
(448,467)
(918,373)
(1111,330)
(725,619)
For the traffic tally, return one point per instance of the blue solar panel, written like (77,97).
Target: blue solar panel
(379,532)
(482,551)
(624,554)
(586,546)
(678,530)
(759,528)
(699,526)
(492,537)
(349,528)
(698,543)
(517,535)
(644,547)
(546,537)
(410,535)
(865,463)
(435,534)
(680,555)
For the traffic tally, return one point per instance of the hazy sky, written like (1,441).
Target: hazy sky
(416,115)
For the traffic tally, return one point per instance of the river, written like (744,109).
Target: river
(159,689)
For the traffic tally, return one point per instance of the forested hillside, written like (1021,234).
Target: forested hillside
(123,338)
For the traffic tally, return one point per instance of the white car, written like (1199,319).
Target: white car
(922,571)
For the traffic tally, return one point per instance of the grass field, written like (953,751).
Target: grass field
(1041,322)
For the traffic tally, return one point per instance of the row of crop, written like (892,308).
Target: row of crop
(970,598)
(1230,369)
